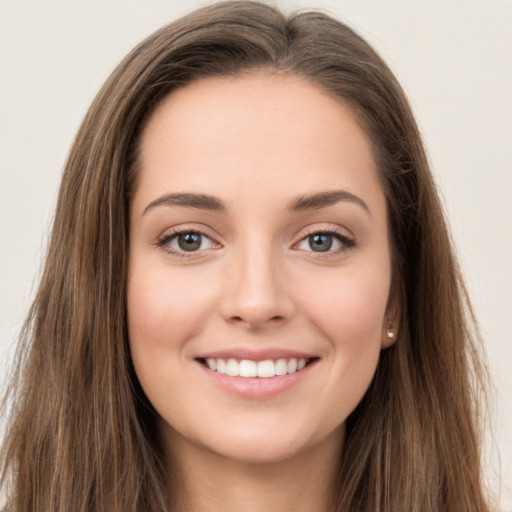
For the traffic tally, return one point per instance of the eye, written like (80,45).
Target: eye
(323,242)
(186,241)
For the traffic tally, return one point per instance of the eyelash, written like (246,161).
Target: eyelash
(347,242)
(163,242)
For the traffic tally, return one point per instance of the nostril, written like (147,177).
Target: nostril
(253,321)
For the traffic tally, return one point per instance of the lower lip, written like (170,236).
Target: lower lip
(257,387)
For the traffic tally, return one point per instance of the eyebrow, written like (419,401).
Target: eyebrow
(299,204)
(190,200)
(324,199)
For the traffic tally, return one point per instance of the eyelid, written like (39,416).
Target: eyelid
(347,239)
(326,228)
(170,234)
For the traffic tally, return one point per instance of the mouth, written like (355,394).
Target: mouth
(256,374)
(264,369)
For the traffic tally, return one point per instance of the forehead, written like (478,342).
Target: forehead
(260,135)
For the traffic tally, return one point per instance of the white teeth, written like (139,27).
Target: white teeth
(291,366)
(266,369)
(263,369)
(281,367)
(232,368)
(221,366)
(248,368)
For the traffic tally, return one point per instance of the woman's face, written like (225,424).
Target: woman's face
(258,244)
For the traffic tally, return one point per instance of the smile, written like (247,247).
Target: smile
(263,369)
(256,374)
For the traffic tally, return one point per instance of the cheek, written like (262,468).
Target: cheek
(350,307)
(165,310)
(350,316)
(165,306)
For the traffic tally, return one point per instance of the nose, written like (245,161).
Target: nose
(257,293)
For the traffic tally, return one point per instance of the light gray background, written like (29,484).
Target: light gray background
(454,58)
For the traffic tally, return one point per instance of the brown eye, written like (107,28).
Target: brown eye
(186,241)
(189,241)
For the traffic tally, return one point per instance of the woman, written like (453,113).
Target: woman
(250,299)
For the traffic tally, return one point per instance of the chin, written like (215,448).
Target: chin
(262,444)
(258,451)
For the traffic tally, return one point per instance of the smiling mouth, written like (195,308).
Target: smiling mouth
(263,369)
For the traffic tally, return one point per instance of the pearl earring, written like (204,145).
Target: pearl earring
(389,332)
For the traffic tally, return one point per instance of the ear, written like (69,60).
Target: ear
(391,322)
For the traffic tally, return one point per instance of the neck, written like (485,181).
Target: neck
(210,482)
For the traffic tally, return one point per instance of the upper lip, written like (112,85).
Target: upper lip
(256,355)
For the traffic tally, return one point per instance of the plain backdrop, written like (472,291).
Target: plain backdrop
(453,57)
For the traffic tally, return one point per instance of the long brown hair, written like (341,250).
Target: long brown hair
(81,435)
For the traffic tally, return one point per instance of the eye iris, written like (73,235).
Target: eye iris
(320,242)
(189,241)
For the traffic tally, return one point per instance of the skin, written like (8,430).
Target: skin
(257,143)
